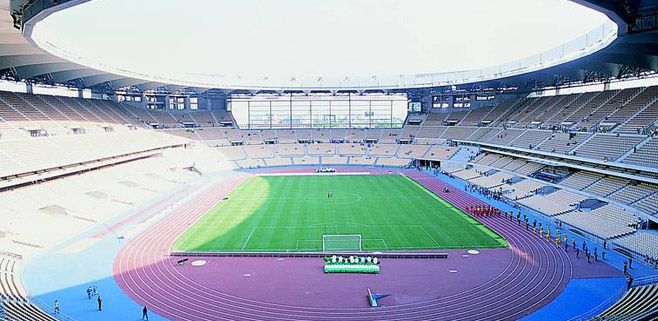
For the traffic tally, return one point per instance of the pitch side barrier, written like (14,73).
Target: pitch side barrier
(380,255)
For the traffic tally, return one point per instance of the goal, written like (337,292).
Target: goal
(341,243)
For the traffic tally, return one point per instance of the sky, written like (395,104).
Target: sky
(285,38)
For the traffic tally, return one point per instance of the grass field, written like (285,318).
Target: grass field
(292,213)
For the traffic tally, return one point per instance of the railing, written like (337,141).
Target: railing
(3,316)
(48,309)
(653,279)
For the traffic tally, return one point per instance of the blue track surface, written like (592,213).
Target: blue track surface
(579,297)
(66,276)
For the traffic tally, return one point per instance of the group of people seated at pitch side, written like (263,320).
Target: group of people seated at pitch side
(353,259)
(325,170)
(483,211)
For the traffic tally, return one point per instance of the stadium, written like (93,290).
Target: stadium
(328,160)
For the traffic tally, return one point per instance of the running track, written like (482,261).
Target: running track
(536,273)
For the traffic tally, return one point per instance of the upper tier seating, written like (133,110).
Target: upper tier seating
(562,143)
(531,138)
(602,111)
(599,99)
(607,147)
(561,116)
(33,154)
(633,107)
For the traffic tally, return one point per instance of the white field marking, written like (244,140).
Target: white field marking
(353,196)
(248,237)
(307,241)
(313,174)
(430,235)
(382,240)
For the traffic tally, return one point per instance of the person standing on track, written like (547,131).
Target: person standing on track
(100,303)
(145,314)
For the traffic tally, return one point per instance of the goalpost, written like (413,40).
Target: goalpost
(341,243)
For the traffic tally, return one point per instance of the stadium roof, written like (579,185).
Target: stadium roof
(632,52)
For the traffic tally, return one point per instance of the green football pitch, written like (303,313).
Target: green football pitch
(293,213)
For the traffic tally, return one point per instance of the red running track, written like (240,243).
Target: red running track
(536,273)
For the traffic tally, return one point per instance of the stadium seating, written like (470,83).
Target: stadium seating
(606,222)
(626,113)
(648,204)
(609,106)
(638,303)
(560,117)
(554,203)
(562,143)
(581,179)
(491,181)
(642,243)
(531,138)
(644,155)
(632,193)
(607,147)
(607,185)
(522,189)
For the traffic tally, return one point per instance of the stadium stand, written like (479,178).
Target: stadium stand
(644,154)
(602,111)
(562,143)
(607,147)
(605,222)
(581,180)
(642,243)
(607,185)
(639,303)
(555,203)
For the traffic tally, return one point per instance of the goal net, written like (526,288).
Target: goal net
(341,243)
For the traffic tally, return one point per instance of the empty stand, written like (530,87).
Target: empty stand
(607,146)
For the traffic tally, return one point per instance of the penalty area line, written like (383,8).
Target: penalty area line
(248,237)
